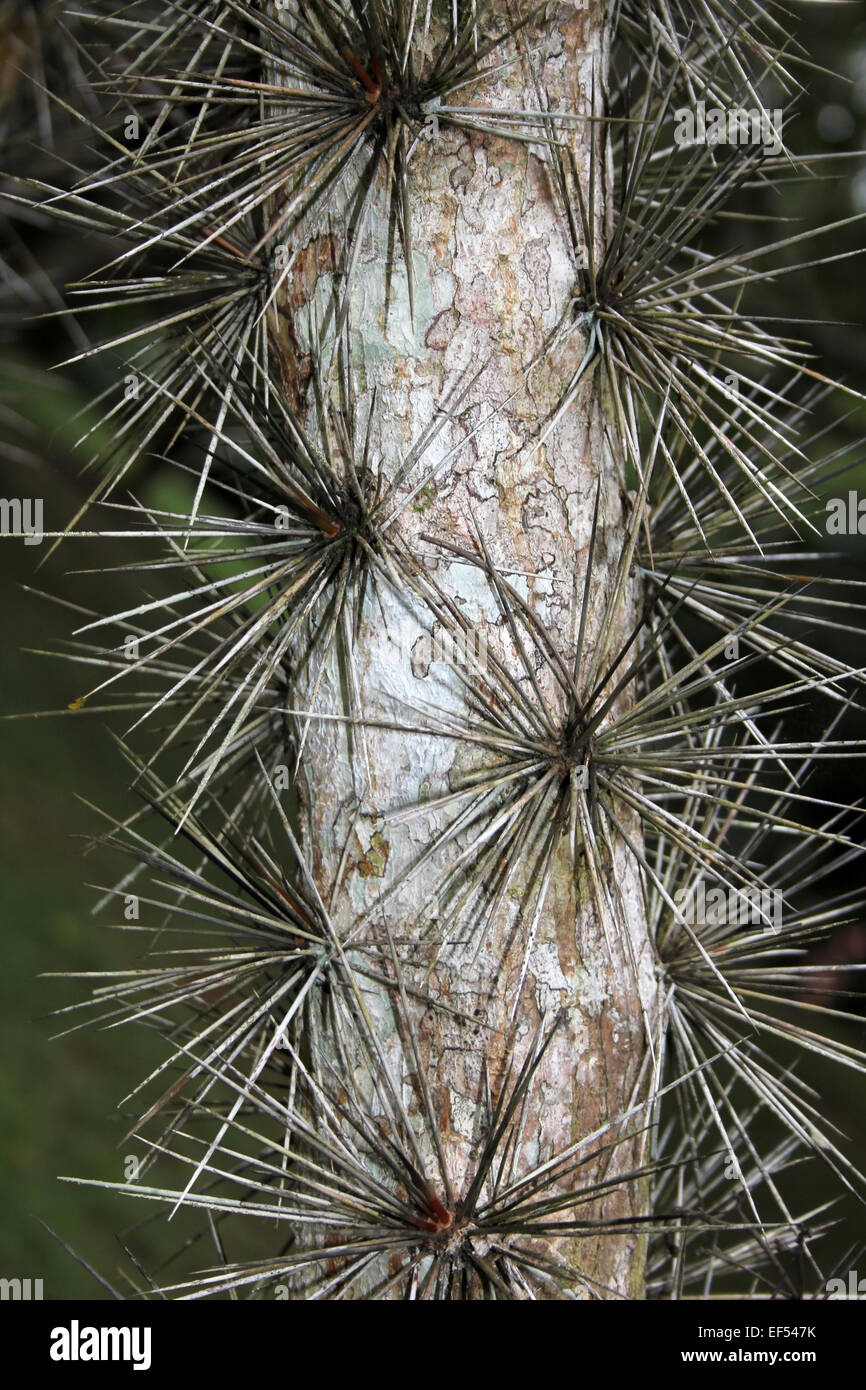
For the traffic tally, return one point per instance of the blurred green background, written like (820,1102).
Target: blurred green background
(59,1098)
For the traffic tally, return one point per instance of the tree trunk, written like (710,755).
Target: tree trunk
(493,277)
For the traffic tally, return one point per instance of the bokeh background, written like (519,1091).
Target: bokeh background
(61,1098)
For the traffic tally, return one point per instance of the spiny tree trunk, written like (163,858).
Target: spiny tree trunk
(493,277)
(403,1084)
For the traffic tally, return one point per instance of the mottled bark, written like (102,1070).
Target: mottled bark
(493,277)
